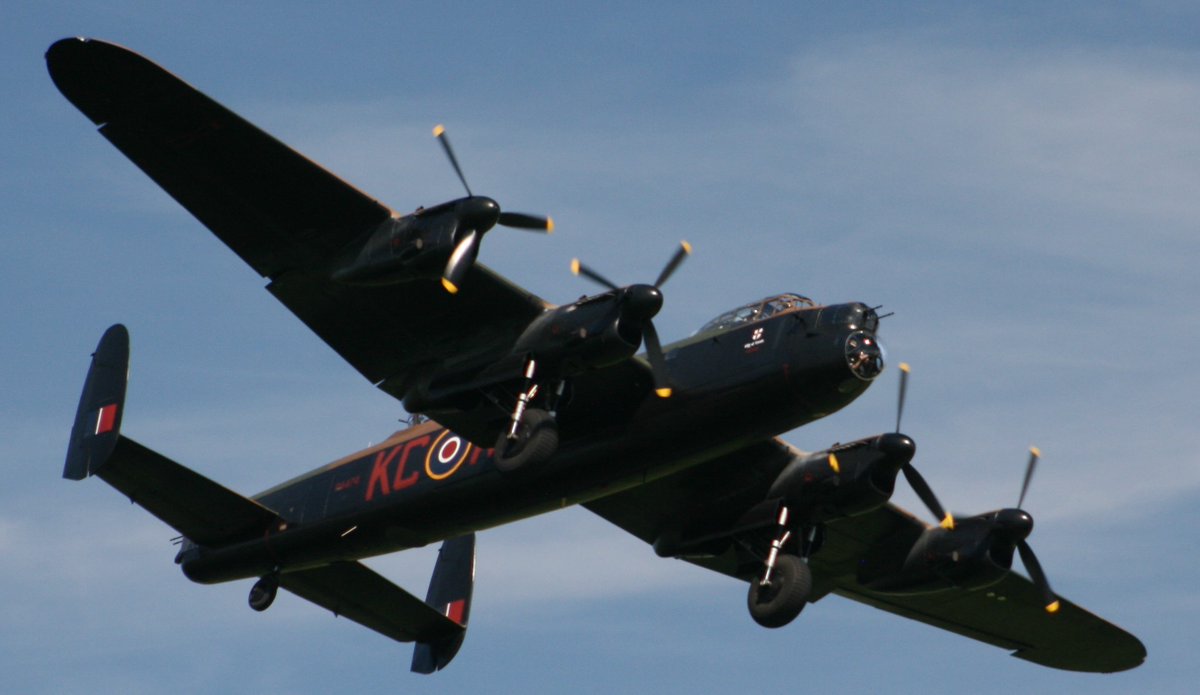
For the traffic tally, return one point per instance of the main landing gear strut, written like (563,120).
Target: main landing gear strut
(532,434)
(778,596)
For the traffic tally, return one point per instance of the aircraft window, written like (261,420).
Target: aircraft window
(756,312)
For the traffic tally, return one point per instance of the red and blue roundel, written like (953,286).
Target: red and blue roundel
(446,455)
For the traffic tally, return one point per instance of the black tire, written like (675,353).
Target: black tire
(778,603)
(262,594)
(536,442)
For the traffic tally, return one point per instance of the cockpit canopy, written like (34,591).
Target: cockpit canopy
(756,311)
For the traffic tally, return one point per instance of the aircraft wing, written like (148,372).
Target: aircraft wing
(286,217)
(711,498)
(272,206)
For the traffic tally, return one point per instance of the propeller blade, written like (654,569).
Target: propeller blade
(658,363)
(439,132)
(460,261)
(903,390)
(684,250)
(923,491)
(533,223)
(1038,576)
(578,268)
(1034,455)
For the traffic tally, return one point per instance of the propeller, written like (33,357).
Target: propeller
(641,303)
(1049,599)
(1027,556)
(915,480)
(475,216)
(1034,455)
(1014,526)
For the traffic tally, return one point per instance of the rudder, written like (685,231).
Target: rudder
(98,418)
(450,591)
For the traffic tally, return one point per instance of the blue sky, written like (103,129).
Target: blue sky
(1019,183)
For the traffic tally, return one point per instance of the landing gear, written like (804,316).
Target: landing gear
(262,594)
(532,434)
(778,602)
(778,597)
(535,441)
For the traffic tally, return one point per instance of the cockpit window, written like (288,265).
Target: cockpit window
(756,311)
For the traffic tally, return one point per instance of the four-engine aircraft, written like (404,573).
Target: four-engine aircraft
(532,407)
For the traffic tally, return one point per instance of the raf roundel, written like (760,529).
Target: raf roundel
(446,455)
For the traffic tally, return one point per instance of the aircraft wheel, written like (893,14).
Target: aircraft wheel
(778,603)
(537,440)
(262,594)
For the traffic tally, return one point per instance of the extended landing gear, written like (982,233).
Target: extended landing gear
(535,441)
(262,594)
(532,434)
(781,593)
(778,602)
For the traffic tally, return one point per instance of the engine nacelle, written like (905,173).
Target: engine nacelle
(587,334)
(971,556)
(399,250)
(845,480)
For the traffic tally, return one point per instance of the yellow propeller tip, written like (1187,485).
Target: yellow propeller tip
(1035,451)
(574,266)
(549,226)
(833,463)
(438,130)
(904,367)
(663,393)
(948,522)
(450,286)
(687,248)
(1053,607)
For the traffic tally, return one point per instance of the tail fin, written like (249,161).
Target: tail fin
(197,507)
(450,591)
(98,419)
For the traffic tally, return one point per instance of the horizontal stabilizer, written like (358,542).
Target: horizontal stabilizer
(353,590)
(98,418)
(450,591)
(205,512)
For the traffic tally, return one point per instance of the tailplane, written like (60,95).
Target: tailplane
(202,510)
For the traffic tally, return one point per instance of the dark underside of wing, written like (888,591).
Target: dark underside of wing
(275,208)
(1009,614)
(702,500)
(391,332)
(288,218)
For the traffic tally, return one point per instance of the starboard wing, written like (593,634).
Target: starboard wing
(708,500)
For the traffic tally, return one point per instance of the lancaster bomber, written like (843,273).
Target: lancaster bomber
(529,407)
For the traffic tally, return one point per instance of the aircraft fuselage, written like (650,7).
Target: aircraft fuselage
(426,483)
